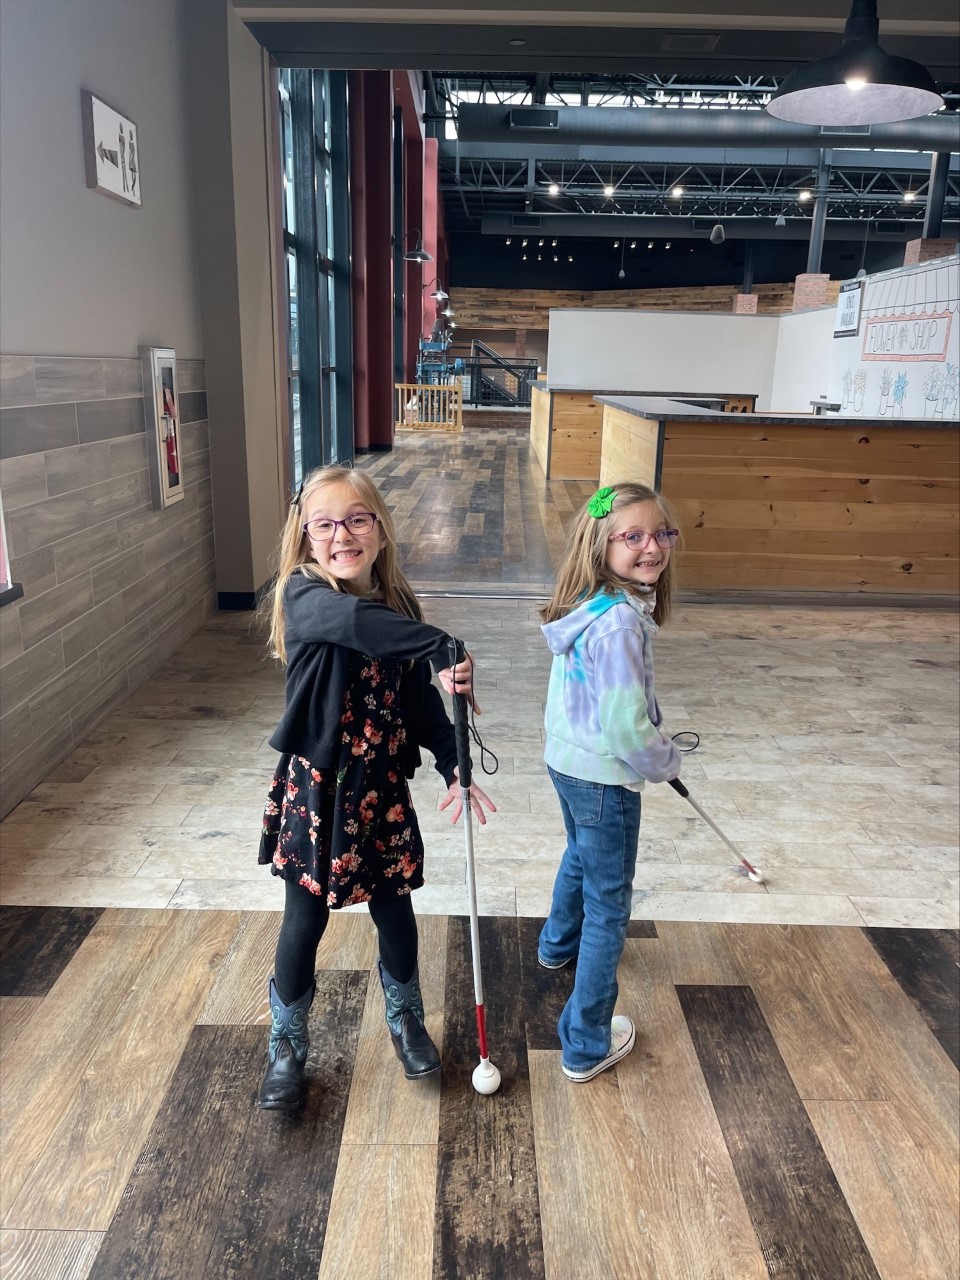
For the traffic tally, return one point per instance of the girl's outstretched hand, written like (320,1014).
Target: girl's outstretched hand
(459,679)
(478,799)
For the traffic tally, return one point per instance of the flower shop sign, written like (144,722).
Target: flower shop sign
(907,337)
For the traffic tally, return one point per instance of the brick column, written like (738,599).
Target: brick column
(745,304)
(810,291)
(520,343)
(923,250)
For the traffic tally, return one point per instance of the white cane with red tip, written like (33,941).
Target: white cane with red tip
(486,1077)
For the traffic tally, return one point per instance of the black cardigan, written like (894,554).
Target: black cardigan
(322,626)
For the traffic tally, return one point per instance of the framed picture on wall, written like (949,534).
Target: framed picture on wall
(161,405)
(847,320)
(111,150)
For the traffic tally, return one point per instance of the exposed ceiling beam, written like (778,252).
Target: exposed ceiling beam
(604,227)
(789,157)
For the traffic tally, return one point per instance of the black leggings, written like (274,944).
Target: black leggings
(305,917)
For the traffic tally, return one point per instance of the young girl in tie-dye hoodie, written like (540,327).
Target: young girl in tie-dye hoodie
(604,739)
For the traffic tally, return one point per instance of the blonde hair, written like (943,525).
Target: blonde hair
(294,555)
(584,571)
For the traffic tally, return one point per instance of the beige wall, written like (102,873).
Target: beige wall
(229,179)
(83,274)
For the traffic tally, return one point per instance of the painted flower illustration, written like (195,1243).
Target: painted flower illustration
(900,388)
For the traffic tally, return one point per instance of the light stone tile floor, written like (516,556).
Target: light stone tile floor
(829,754)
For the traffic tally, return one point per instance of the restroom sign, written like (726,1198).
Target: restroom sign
(907,337)
(111,150)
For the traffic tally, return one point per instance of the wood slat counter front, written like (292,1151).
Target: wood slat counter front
(566,427)
(814,504)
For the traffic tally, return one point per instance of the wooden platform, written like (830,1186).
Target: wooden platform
(790,1109)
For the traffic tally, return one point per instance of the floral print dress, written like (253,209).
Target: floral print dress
(349,833)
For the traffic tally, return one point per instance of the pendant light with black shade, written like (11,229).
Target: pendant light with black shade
(859,84)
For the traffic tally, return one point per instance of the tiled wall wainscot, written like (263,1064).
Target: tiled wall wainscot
(111,585)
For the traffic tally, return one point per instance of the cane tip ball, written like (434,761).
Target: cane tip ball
(486,1078)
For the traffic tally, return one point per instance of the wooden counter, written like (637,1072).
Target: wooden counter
(566,427)
(565,433)
(819,504)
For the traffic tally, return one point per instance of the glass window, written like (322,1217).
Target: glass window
(313,151)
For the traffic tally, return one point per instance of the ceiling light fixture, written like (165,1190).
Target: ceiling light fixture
(608,191)
(909,196)
(554,189)
(418,253)
(804,195)
(439,293)
(677,192)
(621,274)
(859,84)
(780,220)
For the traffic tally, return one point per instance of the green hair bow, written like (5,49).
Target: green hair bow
(601,504)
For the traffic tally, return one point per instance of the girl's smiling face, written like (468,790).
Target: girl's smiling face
(348,555)
(645,564)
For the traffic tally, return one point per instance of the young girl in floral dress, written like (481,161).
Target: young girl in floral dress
(338,824)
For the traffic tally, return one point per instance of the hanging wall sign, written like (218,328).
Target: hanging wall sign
(847,319)
(111,150)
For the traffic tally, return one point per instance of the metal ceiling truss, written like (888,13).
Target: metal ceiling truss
(523,186)
(727,93)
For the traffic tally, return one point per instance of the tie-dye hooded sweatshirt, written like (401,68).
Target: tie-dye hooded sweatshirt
(602,717)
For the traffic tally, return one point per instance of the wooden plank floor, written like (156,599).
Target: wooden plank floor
(791,1109)
(476,507)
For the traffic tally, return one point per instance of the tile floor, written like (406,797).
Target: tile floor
(828,754)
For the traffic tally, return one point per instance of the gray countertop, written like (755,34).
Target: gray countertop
(659,407)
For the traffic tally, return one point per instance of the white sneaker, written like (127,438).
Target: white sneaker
(553,964)
(623,1036)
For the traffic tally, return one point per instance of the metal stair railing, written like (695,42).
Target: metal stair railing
(494,379)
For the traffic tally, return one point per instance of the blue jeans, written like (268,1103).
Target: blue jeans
(591,907)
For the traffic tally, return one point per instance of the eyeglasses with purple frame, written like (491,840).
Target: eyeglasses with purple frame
(324,528)
(637,539)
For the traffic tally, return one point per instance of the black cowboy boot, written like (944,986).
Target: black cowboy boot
(282,1087)
(404,1003)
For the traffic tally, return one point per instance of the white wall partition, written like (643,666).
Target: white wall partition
(903,362)
(662,351)
(801,370)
